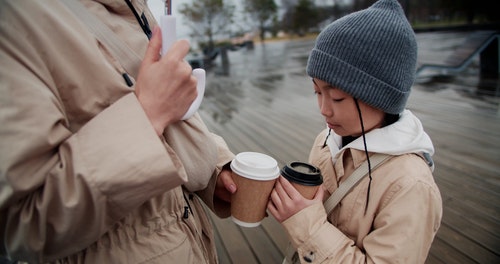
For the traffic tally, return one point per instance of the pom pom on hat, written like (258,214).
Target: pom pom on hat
(370,54)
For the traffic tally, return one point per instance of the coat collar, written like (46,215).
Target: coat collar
(351,160)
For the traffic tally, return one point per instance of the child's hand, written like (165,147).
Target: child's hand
(286,201)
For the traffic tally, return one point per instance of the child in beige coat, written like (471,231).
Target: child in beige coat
(362,69)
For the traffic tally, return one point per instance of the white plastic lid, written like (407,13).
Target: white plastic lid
(256,166)
(244,224)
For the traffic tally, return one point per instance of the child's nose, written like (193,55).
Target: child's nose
(325,107)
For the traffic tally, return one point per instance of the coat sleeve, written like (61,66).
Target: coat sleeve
(399,235)
(52,193)
(224,157)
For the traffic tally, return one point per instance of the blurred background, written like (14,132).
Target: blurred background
(212,23)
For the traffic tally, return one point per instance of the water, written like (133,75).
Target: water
(257,77)
(273,73)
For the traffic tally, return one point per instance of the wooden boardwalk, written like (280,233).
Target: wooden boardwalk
(266,103)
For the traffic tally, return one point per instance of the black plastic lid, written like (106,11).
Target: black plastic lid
(302,173)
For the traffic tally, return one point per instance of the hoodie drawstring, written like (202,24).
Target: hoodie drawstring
(366,152)
(143,22)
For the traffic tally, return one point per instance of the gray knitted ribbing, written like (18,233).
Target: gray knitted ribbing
(370,54)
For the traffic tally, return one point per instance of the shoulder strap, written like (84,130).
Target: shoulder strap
(375,160)
(123,53)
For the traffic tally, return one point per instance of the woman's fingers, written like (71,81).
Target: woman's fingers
(153,51)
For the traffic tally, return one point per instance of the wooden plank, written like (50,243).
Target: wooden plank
(444,252)
(222,253)
(235,247)
(470,250)
(264,248)
(433,259)
(276,232)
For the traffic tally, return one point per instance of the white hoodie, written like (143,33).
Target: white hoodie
(402,137)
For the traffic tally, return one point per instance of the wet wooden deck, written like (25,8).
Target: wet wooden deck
(275,112)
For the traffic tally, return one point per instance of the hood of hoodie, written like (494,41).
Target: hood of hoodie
(405,136)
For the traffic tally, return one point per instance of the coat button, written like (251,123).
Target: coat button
(309,257)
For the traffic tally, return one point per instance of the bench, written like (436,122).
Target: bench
(482,43)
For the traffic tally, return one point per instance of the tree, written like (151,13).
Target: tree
(208,18)
(264,12)
(304,16)
(288,8)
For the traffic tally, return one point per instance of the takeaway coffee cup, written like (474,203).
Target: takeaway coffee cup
(255,174)
(305,177)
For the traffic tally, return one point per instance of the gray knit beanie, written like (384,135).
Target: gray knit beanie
(370,54)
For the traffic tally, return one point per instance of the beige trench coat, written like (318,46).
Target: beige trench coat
(83,176)
(403,214)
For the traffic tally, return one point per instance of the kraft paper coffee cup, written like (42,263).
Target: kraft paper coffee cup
(306,178)
(254,174)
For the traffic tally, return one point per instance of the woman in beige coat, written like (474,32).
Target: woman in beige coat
(95,164)
(362,69)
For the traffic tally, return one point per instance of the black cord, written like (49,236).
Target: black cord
(366,153)
(327,136)
(143,22)
(187,208)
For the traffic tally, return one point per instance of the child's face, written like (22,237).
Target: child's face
(340,112)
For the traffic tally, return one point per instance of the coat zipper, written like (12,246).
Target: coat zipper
(187,207)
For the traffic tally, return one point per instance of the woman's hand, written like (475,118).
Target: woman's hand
(225,186)
(286,201)
(165,85)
